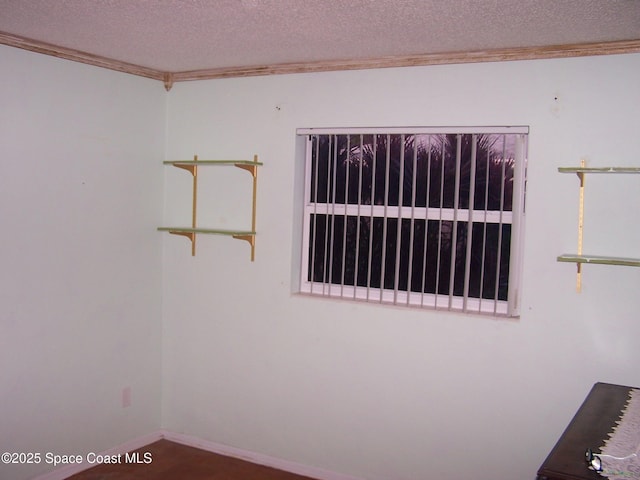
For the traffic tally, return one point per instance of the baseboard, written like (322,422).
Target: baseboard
(64,472)
(253,457)
(258,458)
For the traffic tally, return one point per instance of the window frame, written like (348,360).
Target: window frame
(516,218)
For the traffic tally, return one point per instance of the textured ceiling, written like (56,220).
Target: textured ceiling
(182,35)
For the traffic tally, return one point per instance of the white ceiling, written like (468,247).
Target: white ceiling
(183,35)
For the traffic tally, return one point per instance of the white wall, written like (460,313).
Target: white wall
(375,392)
(80,260)
(384,392)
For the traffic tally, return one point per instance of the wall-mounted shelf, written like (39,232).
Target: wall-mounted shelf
(599,259)
(190,232)
(580,170)
(579,258)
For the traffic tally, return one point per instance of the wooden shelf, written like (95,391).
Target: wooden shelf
(599,169)
(579,258)
(599,259)
(211,162)
(209,231)
(190,232)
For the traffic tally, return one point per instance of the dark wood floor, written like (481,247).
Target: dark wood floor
(172,461)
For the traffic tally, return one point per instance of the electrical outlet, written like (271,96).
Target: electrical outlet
(126,397)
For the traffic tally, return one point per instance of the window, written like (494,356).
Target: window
(429,217)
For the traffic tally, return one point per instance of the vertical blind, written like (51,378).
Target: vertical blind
(417,217)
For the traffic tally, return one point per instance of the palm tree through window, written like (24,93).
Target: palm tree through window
(415,217)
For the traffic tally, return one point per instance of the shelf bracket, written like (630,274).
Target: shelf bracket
(580,226)
(253,170)
(191,236)
(252,241)
(193,169)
